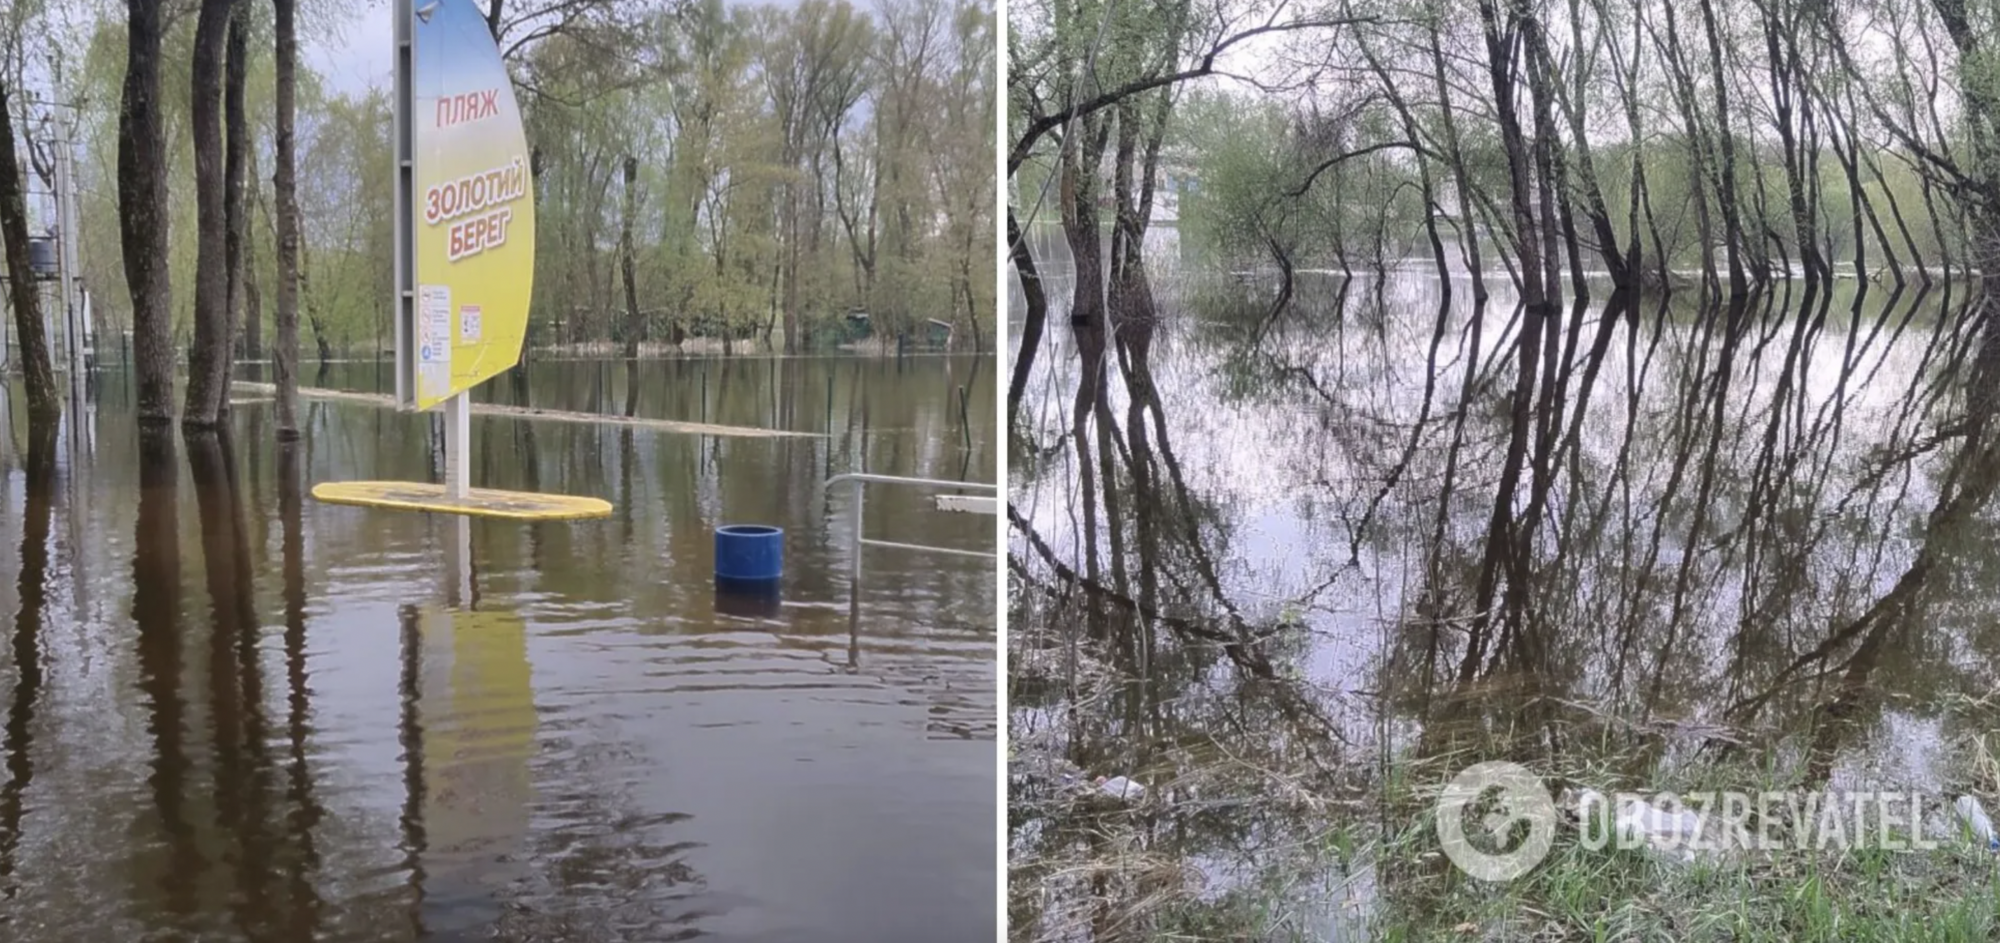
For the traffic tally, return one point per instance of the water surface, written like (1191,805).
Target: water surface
(1270,582)
(235,713)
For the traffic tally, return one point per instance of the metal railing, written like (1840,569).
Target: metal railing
(860,481)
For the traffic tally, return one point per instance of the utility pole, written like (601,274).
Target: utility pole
(71,271)
(67,230)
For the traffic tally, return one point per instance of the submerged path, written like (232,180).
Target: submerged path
(551,415)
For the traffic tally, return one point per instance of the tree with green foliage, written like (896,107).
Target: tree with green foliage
(789,167)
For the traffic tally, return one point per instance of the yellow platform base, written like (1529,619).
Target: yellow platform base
(477,502)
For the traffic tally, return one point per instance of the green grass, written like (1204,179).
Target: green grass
(1581,894)
(1387,847)
(1951,892)
(1244,845)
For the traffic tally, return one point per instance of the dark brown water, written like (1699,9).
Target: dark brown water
(232,712)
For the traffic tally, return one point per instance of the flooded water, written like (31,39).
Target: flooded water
(1297,552)
(233,712)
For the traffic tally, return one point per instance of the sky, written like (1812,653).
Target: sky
(358,55)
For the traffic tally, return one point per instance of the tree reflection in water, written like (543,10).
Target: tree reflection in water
(1289,563)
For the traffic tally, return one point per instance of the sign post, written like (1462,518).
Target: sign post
(465,250)
(466,212)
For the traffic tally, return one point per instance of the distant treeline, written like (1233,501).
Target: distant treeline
(756,172)
(1651,143)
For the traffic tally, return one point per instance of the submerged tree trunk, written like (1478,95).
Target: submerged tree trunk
(635,326)
(790,222)
(1079,185)
(1468,226)
(235,153)
(252,323)
(285,359)
(1725,186)
(1507,539)
(37,371)
(1034,313)
(1793,110)
(252,331)
(1424,186)
(207,382)
(1572,100)
(1697,150)
(1501,68)
(142,212)
(1129,296)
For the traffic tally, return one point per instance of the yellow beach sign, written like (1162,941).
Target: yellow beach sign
(465,253)
(466,222)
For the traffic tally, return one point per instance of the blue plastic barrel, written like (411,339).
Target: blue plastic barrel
(749,553)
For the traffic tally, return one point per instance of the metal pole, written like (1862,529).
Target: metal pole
(457,445)
(854,585)
(854,565)
(62,257)
(66,263)
(403,226)
(72,283)
(78,301)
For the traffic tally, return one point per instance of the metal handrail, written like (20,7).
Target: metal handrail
(899,480)
(861,479)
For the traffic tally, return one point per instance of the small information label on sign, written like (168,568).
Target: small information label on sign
(468,324)
(433,340)
(434,324)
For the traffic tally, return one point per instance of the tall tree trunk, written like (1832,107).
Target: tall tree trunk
(1628,80)
(207,383)
(791,285)
(1081,179)
(142,212)
(235,153)
(36,369)
(252,346)
(1697,147)
(253,304)
(1788,101)
(312,313)
(1501,68)
(635,326)
(285,359)
(1467,222)
(1129,297)
(1504,546)
(1732,225)
(1572,101)
(1035,314)
(1425,188)
(1551,180)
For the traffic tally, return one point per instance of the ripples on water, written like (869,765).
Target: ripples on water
(234,713)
